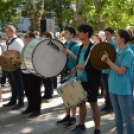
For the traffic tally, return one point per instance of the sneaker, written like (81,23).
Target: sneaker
(78,129)
(104,108)
(71,123)
(63,121)
(97,131)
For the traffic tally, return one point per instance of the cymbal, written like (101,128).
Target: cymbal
(6,60)
(97,52)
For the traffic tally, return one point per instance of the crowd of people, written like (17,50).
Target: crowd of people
(117,82)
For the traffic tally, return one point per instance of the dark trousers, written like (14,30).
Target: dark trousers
(32,86)
(3,78)
(49,87)
(104,80)
(17,88)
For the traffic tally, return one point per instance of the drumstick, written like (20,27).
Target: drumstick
(73,74)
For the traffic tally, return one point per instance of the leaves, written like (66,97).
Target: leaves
(7,14)
(117,14)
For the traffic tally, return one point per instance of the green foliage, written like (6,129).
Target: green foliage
(7,13)
(61,11)
(116,14)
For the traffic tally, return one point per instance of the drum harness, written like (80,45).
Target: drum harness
(9,42)
(67,71)
(80,64)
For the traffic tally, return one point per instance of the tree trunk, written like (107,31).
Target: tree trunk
(35,14)
(101,24)
(80,15)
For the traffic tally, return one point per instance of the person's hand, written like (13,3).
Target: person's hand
(104,57)
(65,51)
(15,61)
(80,67)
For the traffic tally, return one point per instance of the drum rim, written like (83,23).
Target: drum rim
(32,55)
(35,70)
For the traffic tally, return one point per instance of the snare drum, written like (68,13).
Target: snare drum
(43,57)
(72,93)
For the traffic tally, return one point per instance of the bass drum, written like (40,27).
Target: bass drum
(43,57)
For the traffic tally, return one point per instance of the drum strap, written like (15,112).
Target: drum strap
(8,42)
(80,64)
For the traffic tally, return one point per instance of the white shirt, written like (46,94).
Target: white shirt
(17,45)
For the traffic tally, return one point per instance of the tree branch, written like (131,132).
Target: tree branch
(96,6)
(112,15)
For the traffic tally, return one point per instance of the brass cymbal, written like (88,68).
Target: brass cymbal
(97,52)
(6,60)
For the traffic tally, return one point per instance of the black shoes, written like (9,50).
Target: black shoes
(34,114)
(63,121)
(9,104)
(72,122)
(97,131)
(18,107)
(27,111)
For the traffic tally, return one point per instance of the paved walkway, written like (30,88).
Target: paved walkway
(12,122)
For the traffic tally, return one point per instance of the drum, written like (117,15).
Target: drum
(72,93)
(43,57)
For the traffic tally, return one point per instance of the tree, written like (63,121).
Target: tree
(81,13)
(106,13)
(36,11)
(62,11)
(7,13)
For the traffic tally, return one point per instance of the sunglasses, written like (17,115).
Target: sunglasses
(26,37)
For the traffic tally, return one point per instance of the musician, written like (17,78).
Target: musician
(69,34)
(32,85)
(131,45)
(109,32)
(90,78)
(15,77)
(120,78)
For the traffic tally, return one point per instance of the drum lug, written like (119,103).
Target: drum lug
(61,91)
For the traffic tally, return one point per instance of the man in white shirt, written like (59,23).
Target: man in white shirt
(15,78)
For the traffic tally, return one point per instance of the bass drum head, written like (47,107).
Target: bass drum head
(48,59)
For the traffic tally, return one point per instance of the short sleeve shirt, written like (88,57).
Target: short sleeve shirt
(121,85)
(74,49)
